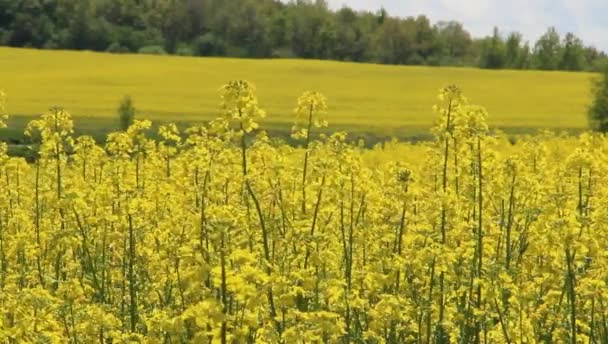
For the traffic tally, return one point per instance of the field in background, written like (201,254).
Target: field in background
(364,99)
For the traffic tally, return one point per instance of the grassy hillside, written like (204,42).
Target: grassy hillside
(364,98)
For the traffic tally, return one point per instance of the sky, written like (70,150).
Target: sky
(588,19)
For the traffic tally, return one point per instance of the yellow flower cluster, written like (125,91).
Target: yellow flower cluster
(217,235)
(310,109)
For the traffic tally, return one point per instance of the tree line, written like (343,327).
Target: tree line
(275,29)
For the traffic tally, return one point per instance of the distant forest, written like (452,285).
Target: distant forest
(275,29)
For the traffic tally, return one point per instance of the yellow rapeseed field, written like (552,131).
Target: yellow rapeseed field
(217,234)
(365,98)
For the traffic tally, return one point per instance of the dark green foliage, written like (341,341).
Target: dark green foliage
(598,111)
(547,50)
(209,45)
(117,48)
(517,53)
(184,50)
(152,50)
(273,28)
(493,52)
(573,53)
(126,113)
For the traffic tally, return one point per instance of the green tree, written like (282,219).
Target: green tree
(347,34)
(311,32)
(598,111)
(176,24)
(513,50)
(595,59)
(573,56)
(426,38)
(524,60)
(547,50)
(454,39)
(209,45)
(28,23)
(397,41)
(126,113)
(493,52)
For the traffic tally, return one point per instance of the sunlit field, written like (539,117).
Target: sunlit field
(365,99)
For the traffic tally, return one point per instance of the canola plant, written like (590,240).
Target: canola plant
(219,234)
